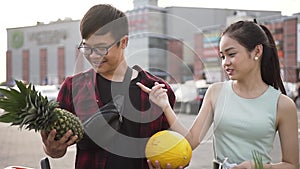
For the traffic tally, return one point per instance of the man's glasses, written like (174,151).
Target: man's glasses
(87,51)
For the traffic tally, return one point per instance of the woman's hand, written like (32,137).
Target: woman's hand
(57,149)
(157,165)
(157,94)
(244,165)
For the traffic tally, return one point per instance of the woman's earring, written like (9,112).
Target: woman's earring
(256,58)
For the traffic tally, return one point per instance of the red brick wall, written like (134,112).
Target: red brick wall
(25,66)
(290,49)
(198,58)
(79,63)
(285,33)
(61,64)
(43,64)
(8,67)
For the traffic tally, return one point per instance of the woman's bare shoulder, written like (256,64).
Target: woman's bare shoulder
(286,105)
(214,90)
(216,87)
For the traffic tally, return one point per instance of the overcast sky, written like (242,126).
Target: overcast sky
(19,13)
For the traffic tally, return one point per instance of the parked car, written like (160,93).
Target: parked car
(189,96)
(291,90)
(184,94)
(51,91)
(196,104)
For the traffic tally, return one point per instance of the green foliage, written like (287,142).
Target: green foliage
(257,158)
(26,107)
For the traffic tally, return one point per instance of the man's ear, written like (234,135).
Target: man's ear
(124,42)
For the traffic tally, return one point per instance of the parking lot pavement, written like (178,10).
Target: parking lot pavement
(24,148)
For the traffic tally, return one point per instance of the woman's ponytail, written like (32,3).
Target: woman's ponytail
(270,63)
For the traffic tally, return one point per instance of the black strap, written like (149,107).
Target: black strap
(119,99)
(125,84)
(126,80)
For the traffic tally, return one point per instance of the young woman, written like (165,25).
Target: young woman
(249,108)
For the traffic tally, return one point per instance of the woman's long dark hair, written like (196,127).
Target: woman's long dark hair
(250,34)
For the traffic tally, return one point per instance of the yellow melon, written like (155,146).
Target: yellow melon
(168,147)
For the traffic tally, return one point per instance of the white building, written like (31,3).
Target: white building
(161,40)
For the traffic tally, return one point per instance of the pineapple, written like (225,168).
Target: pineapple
(28,109)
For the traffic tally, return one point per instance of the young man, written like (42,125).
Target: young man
(104,31)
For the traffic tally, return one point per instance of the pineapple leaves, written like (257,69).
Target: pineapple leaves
(8,117)
(25,106)
(22,87)
(9,105)
(11,94)
(257,158)
(28,108)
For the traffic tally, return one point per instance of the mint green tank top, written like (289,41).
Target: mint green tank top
(243,125)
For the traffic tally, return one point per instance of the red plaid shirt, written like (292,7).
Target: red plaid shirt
(77,95)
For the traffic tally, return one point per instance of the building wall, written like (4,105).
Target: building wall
(9,79)
(284,31)
(207,63)
(184,23)
(43,72)
(147,41)
(36,52)
(25,66)
(137,51)
(290,49)
(61,64)
(60,40)
(298,41)
(175,60)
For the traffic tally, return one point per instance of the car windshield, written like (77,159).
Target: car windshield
(201,91)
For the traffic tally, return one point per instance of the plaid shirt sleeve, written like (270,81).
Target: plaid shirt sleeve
(160,123)
(64,97)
